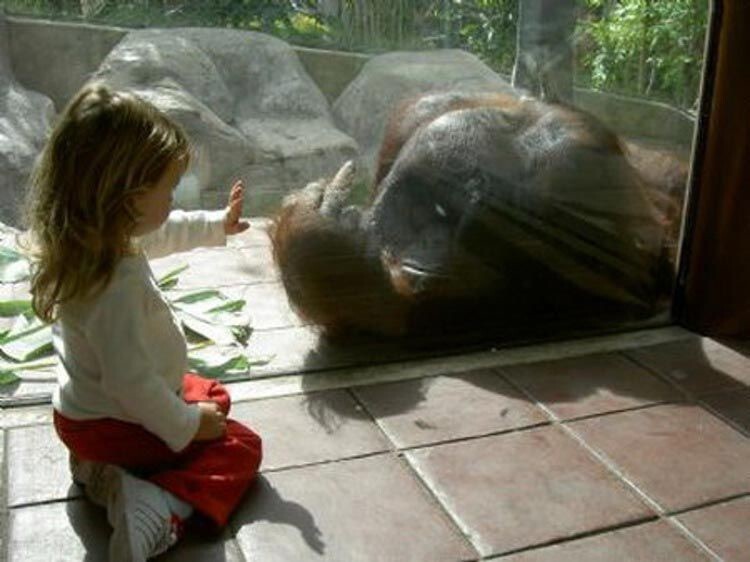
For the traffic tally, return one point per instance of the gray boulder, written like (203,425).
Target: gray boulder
(24,122)
(363,107)
(247,104)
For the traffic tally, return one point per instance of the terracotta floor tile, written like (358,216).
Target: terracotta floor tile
(733,405)
(433,409)
(72,530)
(592,384)
(699,365)
(521,489)
(311,428)
(649,542)
(78,530)
(371,509)
(679,455)
(204,549)
(37,466)
(723,528)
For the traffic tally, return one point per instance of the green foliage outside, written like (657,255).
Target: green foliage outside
(651,48)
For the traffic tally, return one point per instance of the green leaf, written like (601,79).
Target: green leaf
(229,306)
(213,316)
(15,307)
(222,363)
(233,366)
(198,296)
(242,334)
(8,377)
(169,279)
(168,284)
(27,340)
(217,333)
(14,266)
(8,371)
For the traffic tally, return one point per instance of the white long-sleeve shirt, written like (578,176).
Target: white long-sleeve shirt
(123,352)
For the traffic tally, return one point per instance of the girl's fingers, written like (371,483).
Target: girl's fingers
(232,223)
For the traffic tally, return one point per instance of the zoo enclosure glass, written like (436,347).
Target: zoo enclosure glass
(534,193)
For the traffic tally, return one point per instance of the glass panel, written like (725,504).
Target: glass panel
(518,173)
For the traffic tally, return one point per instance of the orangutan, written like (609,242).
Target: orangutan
(485,209)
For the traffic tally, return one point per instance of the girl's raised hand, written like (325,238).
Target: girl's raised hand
(232,222)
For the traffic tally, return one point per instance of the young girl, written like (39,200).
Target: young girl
(147,441)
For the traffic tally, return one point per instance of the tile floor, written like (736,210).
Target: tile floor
(624,455)
(624,448)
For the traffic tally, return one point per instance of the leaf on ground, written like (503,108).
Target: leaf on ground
(27,339)
(14,266)
(169,279)
(222,362)
(220,335)
(220,322)
(197,296)
(12,372)
(218,365)
(7,377)
(230,306)
(213,316)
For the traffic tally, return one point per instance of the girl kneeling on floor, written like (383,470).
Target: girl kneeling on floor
(100,197)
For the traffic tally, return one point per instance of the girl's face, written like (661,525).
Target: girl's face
(153,206)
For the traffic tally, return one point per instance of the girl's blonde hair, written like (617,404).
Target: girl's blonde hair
(107,147)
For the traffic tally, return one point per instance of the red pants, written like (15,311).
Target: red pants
(211,476)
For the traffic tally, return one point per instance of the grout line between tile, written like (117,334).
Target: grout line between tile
(622,410)
(724,418)
(327,461)
(464,530)
(453,440)
(671,519)
(601,457)
(577,536)
(687,533)
(612,467)
(24,505)
(709,503)
(401,457)
(695,398)
(661,514)
(435,500)
(404,461)
(658,374)
(391,443)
